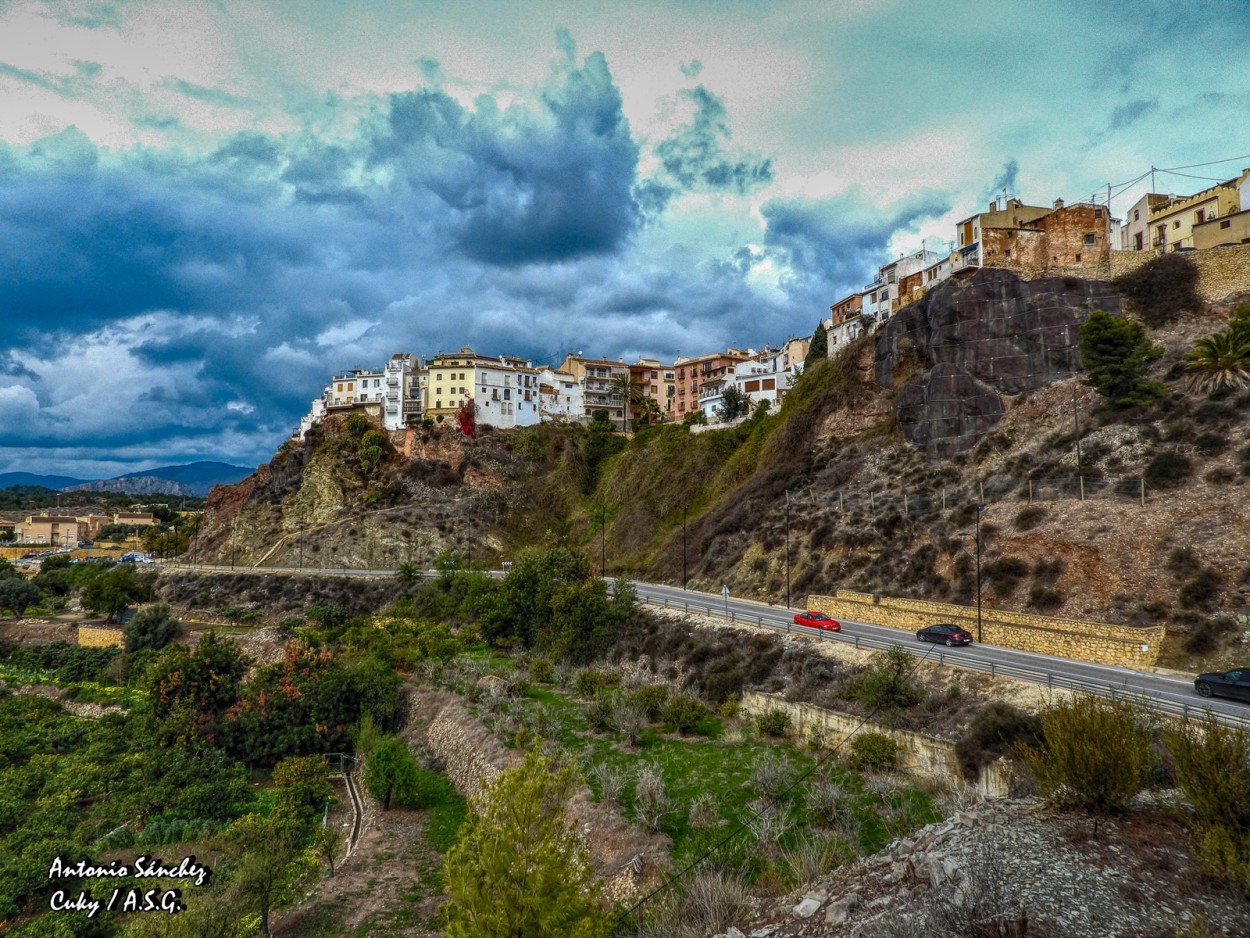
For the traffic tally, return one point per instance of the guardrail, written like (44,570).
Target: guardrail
(994,669)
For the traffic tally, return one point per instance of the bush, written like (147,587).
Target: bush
(590,682)
(684,713)
(1204,637)
(1029,518)
(1212,764)
(1005,573)
(153,627)
(874,752)
(994,731)
(1162,289)
(888,683)
(1168,470)
(1093,755)
(1202,591)
(773,723)
(650,700)
(1044,599)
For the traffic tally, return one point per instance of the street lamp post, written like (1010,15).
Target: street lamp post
(603,541)
(301,548)
(234,527)
(684,578)
(787,548)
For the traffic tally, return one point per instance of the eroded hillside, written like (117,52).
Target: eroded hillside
(1136,516)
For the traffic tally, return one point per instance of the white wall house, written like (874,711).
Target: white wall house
(765,377)
(561,396)
(506,392)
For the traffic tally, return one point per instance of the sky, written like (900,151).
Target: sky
(207,208)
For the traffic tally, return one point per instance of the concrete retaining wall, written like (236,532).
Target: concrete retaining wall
(919,754)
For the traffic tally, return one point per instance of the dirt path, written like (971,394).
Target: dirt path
(389,887)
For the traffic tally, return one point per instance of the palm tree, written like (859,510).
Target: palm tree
(621,386)
(1220,361)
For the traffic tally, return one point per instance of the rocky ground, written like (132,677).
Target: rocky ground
(1025,871)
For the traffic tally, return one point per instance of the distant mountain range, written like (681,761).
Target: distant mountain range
(195,478)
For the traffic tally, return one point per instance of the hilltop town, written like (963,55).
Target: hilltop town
(1082,240)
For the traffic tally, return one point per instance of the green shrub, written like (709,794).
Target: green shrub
(1093,754)
(601,712)
(650,700)
(1212,765)
(1116,353)
(589,682)
(684,713)
(874,752)
(1005,573)
(888,683)
(542,671)
(1044,599)
(1204,637)
(773,723)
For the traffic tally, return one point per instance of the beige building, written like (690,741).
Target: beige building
(596,376)
(1173,220)
(1002,213)
(505,389)
(52,530)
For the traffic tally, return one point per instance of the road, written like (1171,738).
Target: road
(1161,692)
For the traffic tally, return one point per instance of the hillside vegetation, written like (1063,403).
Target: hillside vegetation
(1120,513)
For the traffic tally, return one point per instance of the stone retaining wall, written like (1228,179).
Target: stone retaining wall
(922,755)
(1102,642)
(1221,271)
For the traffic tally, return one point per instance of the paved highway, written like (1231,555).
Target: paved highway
(1163,692)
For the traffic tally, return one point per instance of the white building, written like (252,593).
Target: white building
(506,392)
(561,396)
(766,376)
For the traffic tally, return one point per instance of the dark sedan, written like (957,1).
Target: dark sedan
(1234,684)
(945,634)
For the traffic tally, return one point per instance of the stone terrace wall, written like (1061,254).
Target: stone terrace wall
(1075,638)
(919,754)
(1221,271)
(92,637)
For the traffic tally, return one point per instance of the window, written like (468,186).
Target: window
(1138,240)
(1078,258)
(1177,223)
(770,384)
(1136,214)
(751,386)
(1225,224)
(1200,216)
(1089,239)
(1097,213)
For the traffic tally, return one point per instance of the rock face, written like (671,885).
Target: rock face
(973,339)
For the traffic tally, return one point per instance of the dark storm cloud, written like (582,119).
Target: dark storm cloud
(834,246)
(521,186)
(695,157)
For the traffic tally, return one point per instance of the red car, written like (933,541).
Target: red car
(818,620)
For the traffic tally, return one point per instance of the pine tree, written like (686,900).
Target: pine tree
(819,347)
(1117,353)
(517,867)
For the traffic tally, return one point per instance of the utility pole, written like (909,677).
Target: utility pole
(301,548)
(603,542)
(1076,427)
(234,526)
(684,579)
(980,508)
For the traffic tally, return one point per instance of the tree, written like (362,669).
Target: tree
(1222,360)
(17,594)
(819,347)
(392,774)
(1093,754)
(302,786)
(733,403)
(270,865)
(153,627)
(1117,354)
(112,590)
(621,386)
(517,867)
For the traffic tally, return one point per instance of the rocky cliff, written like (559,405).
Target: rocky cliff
(955,354)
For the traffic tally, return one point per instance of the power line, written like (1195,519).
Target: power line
(1233,159)
(1172,172)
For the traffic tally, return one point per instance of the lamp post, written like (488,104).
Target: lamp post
(234,527)
(603,541)
(684,579)
(980,508)
(787,548)
(301,548)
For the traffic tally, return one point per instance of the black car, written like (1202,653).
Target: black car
(946,634)
(1234,684)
